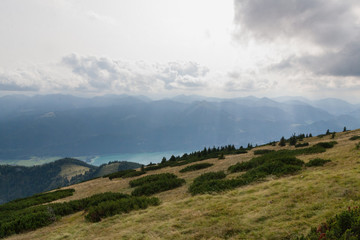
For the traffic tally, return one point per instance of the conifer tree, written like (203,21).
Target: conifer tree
(282,142)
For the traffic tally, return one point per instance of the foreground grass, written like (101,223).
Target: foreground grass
(276,208)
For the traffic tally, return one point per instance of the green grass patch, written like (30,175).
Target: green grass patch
(196,167)
(316,162)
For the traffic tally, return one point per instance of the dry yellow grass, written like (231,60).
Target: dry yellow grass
(277,208)
(70,170)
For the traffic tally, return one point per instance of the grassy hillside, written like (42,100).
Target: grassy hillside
(272,208)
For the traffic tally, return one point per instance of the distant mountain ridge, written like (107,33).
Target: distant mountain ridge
(65,125)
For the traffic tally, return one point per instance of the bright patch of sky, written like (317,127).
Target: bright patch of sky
(221,48)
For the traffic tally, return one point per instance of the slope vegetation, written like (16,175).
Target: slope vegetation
(273,206)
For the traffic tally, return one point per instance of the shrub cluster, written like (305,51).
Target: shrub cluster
(124,205)
(326,144)
(255,169)
(30,218)
(346,225)
(36,199)
(263,151)
(316,162)
(353,138)
(305,144)
(277,163)
(156,183)
(151,178)
(125,174)
(196,167)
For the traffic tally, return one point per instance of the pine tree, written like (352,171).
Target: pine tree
(282,142)
(293,140)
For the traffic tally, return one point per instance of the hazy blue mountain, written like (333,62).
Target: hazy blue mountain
(335,106)
(63,125)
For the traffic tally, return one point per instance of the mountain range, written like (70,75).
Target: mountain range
(70,126)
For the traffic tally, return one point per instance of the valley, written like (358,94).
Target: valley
(272,208)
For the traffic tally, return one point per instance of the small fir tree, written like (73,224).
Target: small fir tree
(282,142)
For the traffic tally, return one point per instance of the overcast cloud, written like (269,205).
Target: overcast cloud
(252,47)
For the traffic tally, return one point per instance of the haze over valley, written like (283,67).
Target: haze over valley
(68,126)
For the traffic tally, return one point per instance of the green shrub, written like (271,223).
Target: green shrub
(212,186)
(133,174)
(210,176)
(151,178)
(345,225)
(353,138)
(125,174)
(33,217)
(302,145)
(196,167)
(262,151)
(316,162)
(125,205)
(326,144)
(36,199)
(160,185)
(273,163)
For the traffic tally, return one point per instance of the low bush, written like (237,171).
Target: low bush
(210,176)
(160,185)
(262,151)
(33,217)
(273,163)
(151,178)
(196,167)
(125,205)
(316,162)
(133,174)
(125,174)
(302,145)
(345,225)
(36,200)
(326,144)
(353,138)
(255,170)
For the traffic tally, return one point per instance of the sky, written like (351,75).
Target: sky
(162,48)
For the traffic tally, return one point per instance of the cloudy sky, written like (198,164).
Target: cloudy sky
(223,48)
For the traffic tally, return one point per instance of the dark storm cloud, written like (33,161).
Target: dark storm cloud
(323,22)
(343,63)
(330,25)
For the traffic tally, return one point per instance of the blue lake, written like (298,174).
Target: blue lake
(142,158)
